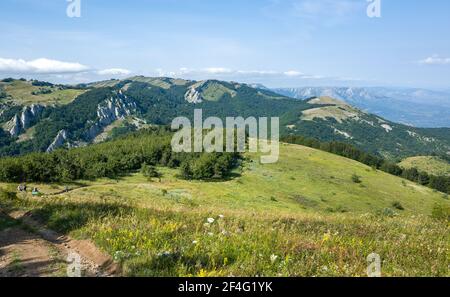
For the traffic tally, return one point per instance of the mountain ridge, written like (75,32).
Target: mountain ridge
(415,107)
(157,101)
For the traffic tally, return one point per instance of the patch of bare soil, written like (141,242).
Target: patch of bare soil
(25,254)
(44,252)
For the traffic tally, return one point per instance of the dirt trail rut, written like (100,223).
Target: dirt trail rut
(33,250)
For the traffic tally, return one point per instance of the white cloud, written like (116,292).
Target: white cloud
(218,70)
(292,73)
(40,66)
(114,71)
(221,71)
(435,60)
(257,72)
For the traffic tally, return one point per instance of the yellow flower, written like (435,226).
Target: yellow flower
(326,237)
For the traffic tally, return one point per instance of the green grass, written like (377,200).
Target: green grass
(214,91)
(303,216)
(428,164)
(6,222)
(21,93)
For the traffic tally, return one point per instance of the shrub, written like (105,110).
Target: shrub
(4,194)
(356,179)
(387,212)
(441,212)
(149,171)
(398,205)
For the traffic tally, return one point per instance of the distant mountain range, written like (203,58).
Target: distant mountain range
(39,116)
(415,107)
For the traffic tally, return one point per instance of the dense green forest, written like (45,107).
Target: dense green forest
(114,159)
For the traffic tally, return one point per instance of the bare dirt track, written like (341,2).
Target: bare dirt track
(28,249)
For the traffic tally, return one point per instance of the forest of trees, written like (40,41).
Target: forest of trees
(114,159)
(440,183)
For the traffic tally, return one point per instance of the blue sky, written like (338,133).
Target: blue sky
(279,43)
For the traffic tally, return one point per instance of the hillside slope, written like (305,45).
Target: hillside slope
(303,216)
(417,107)
(431,165)
(330,119)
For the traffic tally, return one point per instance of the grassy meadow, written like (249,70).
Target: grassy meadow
(310,214)
(429,164)
(22,93)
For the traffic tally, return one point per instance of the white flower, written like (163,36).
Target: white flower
(210,220)
(273,258)
(221,216)
(195,242)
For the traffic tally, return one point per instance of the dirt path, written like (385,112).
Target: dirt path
(26,254)
(33,250)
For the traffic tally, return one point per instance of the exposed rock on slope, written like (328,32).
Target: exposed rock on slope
(29,113)
(59,141)
(193,94)
(210,90)
(109,111)
(24,120)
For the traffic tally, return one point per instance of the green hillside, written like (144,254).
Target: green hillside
(431,165)
(329,119)
(25,93)
(306,215)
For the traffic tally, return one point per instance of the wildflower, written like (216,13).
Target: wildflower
(210,220)
(164,254)
(326,237)
(195,242)
(221,216)
(273,258)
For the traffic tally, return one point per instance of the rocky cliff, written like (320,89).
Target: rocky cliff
(109,111)
(24,120)
(59,141)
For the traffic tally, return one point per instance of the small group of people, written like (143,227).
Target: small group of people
(23,188)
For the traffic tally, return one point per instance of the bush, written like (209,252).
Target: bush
(441,212)
(41,91)
(398,205)
(7,195)
(37,83)
(149,171)
(387,212)
(356,179)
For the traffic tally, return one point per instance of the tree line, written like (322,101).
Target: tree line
(439,183)
(114,159)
